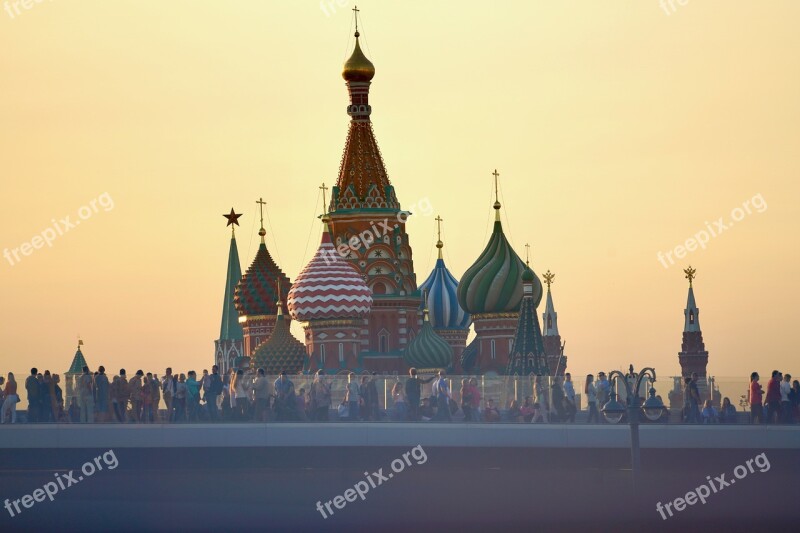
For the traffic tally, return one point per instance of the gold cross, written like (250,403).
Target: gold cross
(261,203)
(355,15)
(439,221)
(527,253)
(690,274)
(496,175)
(324,202)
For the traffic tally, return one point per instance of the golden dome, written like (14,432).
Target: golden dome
(358,67)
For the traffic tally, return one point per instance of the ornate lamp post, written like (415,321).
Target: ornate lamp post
(652,408)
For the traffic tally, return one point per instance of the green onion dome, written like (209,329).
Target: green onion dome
(493,284)
(428,350)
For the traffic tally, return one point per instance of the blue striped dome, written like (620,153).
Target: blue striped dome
(441,288)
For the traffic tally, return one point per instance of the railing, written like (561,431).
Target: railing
(501,390)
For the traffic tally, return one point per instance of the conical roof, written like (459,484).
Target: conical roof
(428,350)
(230,329)
(441,288)
(493,284)
(281,351)
(329,288)
(78,362)
(257,292)
(527,352)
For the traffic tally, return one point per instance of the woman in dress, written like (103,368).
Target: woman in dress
(10,401)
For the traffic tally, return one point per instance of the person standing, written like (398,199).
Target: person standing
(569,397)
(603,392)
(261,389)
(212,392)
(786,403)
(774,397)
(321,397)
(557,394)
(193,397)
(285,402)
(10,401)
(540,394)
(353,395)
(413,393)
(101,395)
(591,399)
(442,398)
(476,400)
(123,395)
(756,394)
(137,403)
(168,389)
(179,400)
(86,396)
(32,388)
(466,400)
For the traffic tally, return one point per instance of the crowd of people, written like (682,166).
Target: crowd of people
(250,395)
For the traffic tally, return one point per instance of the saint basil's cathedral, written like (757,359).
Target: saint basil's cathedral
(358,298)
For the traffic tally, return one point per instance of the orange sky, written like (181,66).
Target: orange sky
(619,130)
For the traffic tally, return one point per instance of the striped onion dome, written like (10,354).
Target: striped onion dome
(281,351)
(329,288)
(428,350)
(441,287)
(493,284)
(257,291)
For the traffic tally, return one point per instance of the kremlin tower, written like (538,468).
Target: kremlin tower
(257,297)
(447,318)
(553,349)
(693,356)
(491,291)
(368,229)
(230,345)
(75,370)
(331,297)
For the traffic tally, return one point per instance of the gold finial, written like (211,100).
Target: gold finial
(325,217)
(527,254)
(690,274)
(355,16)
(280,302)
(439,243)
(548,278)
(261,203)
(496,197)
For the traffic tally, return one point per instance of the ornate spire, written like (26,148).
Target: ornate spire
(527,353)
(363,182)
(691,313)
(262,232)
(230,328)
(496,197)
(550,317)
(439,243)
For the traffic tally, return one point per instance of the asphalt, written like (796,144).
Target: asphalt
(464,489)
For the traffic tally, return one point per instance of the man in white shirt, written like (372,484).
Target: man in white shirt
(569,394)
(168,389)
(786,404)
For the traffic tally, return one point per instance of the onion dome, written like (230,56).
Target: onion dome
(428,350)
(441,288)
(281,351)
(329,288)
(493,284)
(358,67)
(257,291)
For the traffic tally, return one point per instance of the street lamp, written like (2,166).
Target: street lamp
(652,408)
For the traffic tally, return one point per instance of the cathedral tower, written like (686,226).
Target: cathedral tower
(368,229)
(230,344)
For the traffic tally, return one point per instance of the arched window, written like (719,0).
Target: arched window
(321,355)
(549,321)
(494,349)
(383,341)
(341,352)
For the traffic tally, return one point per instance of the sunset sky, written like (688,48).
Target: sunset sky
(620,130)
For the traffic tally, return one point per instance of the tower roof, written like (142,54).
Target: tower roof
(230,328)
(78,362)
(527,353)
(428,350)
(281,351)
(550,317)
(329,287)
(257,291)
(691,313)
(493,284)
